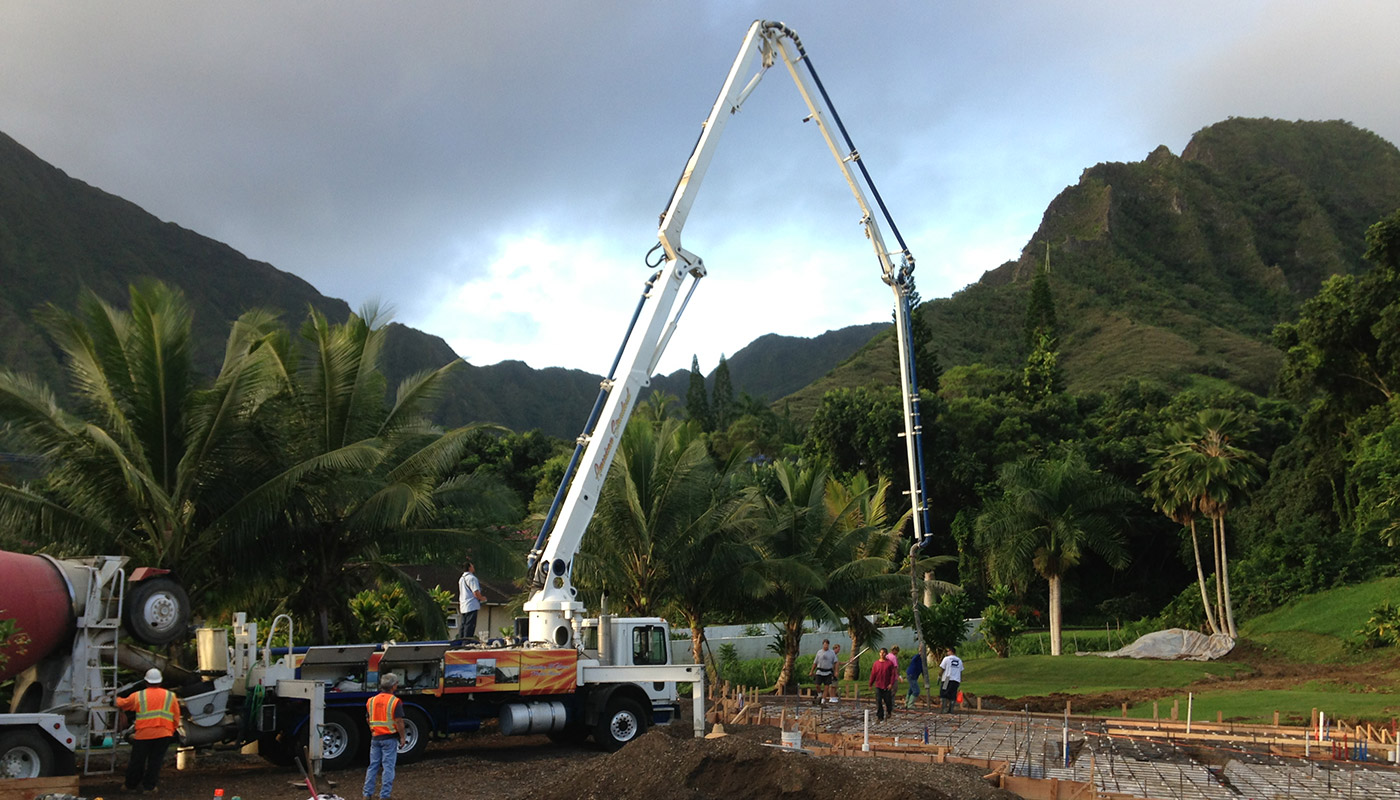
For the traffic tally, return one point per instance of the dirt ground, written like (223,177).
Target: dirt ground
(666,762)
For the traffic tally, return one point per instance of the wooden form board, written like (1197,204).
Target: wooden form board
(30,788)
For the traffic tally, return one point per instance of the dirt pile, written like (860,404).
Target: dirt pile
(744,765)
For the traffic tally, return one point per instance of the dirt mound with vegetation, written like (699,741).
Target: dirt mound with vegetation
(745,764)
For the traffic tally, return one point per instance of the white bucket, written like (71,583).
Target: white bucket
(792,739)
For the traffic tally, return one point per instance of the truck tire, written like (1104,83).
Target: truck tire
(25,754)
(620,723)
(343,741)
(157,611)
(416,731)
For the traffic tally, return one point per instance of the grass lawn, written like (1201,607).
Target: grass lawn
(1032,676)
(1317,628)
(1294,705)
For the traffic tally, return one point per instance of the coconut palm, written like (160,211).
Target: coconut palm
(351,485)
(1209,470)
(148,462)
(808,546)
(1050,512)
(669,532)
(868,583)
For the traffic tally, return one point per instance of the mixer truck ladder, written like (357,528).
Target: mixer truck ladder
(95,652)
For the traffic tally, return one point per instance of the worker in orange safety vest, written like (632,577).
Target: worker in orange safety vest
(157,722)
(384,712)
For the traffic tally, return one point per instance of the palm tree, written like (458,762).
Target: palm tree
(869,582)
(350,485)
(807,547)
(1207,469)
(669,533)
(1169,498)
(1050,512)
(149,462)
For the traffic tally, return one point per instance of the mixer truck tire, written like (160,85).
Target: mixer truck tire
(25,754)
(157,611)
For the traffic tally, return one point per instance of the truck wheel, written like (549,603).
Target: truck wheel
(341,742)
(416,730)
(157,611)
(25,754)
(620,724)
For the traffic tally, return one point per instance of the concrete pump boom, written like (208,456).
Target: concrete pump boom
(555,607)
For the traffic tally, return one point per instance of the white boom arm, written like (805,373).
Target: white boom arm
(555,601)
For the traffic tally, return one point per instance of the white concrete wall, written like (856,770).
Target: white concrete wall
(751,647)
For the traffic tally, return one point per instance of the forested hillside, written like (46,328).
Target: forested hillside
(1176,269)
(59,235)
(1180,402)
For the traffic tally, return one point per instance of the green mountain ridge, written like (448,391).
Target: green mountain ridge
(1174,268)
(59,235)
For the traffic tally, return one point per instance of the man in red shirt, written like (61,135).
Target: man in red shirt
(157,719)
(883,676)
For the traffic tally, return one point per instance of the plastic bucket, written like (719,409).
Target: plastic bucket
(792,739)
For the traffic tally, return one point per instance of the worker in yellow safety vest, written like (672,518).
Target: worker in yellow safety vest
(385,714)
(157,722)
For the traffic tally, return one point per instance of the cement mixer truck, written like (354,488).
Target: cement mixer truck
(65,651)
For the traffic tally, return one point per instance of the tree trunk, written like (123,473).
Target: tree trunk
(1201,580)
(1219,584)
(793,641)
(697,639)
(849,672)
(1054,615)
(1225,581)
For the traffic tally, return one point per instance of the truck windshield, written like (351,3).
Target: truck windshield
(650,645)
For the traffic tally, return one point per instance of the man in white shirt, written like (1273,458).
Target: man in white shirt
(952,668)
(469,599)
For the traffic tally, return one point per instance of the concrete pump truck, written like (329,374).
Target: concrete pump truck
(563,674)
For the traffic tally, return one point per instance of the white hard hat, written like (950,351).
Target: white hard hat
(152,675)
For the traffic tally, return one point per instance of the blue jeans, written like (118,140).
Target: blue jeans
(383,755)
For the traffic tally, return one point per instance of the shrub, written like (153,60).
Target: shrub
(1383,627)
(999,622)
(945,622)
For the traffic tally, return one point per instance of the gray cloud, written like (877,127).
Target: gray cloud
(391,151)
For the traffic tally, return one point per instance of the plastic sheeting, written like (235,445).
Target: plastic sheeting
(1175,644)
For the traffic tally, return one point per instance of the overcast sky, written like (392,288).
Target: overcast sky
(493,171)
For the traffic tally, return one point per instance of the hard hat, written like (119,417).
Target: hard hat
(152,675)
